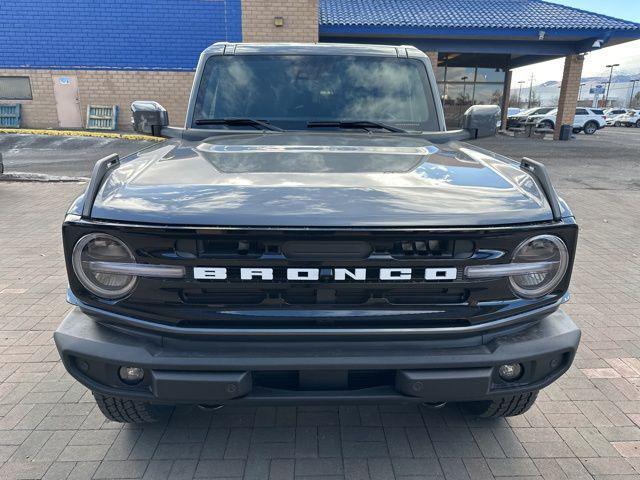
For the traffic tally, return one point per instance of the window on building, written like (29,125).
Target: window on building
(15,88)
(462,87)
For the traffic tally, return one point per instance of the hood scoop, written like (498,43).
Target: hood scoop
(245,158)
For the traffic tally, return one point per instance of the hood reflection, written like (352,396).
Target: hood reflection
(302,179)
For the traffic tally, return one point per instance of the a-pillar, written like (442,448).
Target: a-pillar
(569,90)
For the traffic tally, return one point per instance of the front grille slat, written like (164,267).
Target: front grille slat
(311,295)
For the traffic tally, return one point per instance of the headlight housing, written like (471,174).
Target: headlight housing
(544,260)
(91,255)
(537,266)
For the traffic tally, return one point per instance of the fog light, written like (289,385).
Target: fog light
(510,371)
(131,375)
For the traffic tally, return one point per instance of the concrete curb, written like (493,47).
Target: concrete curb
(80,133)
(40,177)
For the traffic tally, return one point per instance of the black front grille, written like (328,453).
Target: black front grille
(369,302)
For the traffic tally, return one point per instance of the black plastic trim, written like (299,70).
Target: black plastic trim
(98,223)
(100,170)
(539,172)
(191,365)
(163,329)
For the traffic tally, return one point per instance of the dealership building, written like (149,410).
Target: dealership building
(58,58)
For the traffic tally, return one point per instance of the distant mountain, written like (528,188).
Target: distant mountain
(618,78)
(589,81)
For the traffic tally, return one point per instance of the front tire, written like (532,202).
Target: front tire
(125,411)
(547,124)
(616,124)
(508,406)
(638,124)
(590,128)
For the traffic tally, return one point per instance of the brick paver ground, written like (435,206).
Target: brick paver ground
(584,426)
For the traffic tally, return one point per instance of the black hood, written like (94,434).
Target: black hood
(300,179)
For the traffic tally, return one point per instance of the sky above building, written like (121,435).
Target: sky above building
(627,54)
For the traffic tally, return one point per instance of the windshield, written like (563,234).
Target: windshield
(291,90)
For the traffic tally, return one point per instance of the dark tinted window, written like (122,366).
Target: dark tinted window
(581,111)
(289,90)
(597,111)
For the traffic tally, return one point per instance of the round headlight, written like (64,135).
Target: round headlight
(549,255)
(91,253)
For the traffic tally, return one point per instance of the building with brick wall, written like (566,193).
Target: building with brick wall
(57,58)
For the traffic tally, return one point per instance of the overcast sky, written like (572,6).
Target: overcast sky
(627,54)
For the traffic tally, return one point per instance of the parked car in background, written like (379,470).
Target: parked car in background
(510,111)
(614,120)
(586,120)
(612,112)
(629,119)
(612,115)
(514,121)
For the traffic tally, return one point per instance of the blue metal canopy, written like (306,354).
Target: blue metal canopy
(476,14)
(527,30)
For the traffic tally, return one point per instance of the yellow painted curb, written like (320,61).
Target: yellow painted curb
(81,133)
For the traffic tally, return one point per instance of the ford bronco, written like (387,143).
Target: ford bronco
(314,233)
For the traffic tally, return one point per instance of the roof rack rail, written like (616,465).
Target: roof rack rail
(100,169)
(539,172)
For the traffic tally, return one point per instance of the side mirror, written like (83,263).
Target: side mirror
(148,117)
(481,120)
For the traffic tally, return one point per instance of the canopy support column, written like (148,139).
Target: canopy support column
(569,88)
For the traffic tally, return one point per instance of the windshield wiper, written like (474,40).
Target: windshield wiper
(251,122)
(355,124)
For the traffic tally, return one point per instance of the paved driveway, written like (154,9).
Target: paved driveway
(584,426)
(66,156)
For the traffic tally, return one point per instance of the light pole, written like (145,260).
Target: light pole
(520,91)
(580,90)
(610,67)
(633,87)
(464,88)
(530,90)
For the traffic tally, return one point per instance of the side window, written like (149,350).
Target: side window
(581,111)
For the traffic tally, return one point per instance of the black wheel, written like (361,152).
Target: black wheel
(502,407)
(125,411)
(546,124)
(590,128)
(616,124)
(637,126)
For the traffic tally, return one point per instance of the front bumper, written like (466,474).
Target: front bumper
(211,371)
